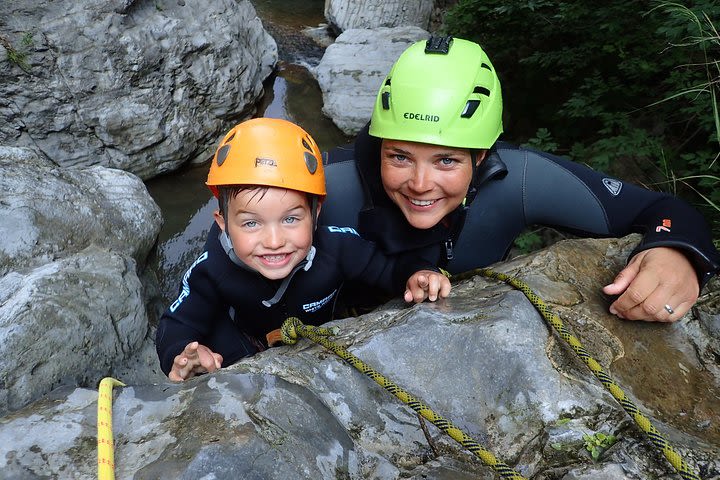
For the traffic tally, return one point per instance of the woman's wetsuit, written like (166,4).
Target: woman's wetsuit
(513,188)
(221,304)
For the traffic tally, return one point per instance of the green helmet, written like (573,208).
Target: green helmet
(442,91)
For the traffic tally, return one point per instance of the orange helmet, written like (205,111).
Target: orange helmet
(270,152)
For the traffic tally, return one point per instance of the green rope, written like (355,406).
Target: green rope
(641,420)
(293,327)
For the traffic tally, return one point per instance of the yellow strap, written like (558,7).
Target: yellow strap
(106,454)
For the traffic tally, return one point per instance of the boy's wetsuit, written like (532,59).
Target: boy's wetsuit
(514,188)
(220,303)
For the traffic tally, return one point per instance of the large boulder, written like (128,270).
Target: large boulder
(72,256)
(483,359)
(347,14)
(352,69)
(139,85)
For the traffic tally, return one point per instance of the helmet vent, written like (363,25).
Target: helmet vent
(481,91)
(385,98)
(485,65)
(311,162)
(387,82)
(222,154)
(229,139)
(306,144)
(470,108)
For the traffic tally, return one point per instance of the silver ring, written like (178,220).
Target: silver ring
(669,309)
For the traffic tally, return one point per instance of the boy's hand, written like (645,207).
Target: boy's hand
(193,360)
(427,284)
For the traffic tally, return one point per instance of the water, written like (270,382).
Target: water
(291,13)
(291,93)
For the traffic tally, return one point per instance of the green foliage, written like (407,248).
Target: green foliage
(543,140)
(617,83)
(528,242)
(597,443)
(18,56)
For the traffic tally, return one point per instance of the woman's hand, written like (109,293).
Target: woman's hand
(194,360)
(427,284)
(658,285)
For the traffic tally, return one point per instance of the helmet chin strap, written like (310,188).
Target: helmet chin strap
(303,265)
(472,190)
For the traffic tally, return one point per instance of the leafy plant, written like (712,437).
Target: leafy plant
(543,140)
(529,241)
(702,168)
(631,88)
(18,56)
(598,443)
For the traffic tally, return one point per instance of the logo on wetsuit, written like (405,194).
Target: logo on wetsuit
(665,226)
(613,186)
(343,230)
(185,285)
(315,306)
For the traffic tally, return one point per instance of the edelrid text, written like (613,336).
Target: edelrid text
(421,116)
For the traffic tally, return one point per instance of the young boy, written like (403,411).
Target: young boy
(265,259)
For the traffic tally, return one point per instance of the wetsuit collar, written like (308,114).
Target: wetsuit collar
(304,265)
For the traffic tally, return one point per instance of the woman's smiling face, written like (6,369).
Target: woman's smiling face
(425,181)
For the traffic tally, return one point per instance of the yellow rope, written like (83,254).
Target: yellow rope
(293,327)
(641,420)
(105,447)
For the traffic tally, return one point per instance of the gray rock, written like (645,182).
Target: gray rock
(73,249)
(353,68)
(49,212)
(347,14)
(143,86)
(483,358)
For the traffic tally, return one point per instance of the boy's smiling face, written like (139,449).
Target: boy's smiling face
(271,230)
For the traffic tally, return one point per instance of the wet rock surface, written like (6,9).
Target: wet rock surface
(484,359)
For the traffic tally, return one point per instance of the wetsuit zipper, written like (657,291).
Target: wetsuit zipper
(449,255)
(455,229)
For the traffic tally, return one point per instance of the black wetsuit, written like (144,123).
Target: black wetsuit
(514,188)
(230,309)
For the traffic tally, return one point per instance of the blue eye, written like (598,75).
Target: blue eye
(250,224)
(447,161)
(291,219)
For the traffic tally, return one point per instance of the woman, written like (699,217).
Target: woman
(429,175)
